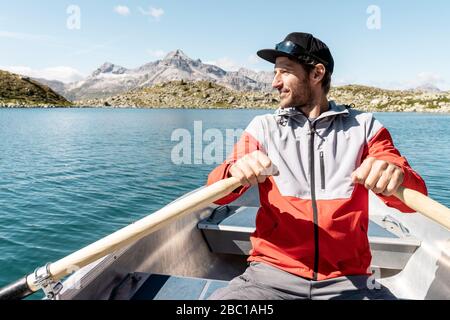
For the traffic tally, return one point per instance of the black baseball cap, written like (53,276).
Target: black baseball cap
(298,45)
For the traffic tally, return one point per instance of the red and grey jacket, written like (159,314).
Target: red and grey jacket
(313,219)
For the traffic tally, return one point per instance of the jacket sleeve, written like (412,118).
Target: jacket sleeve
(247,143)
(381,146)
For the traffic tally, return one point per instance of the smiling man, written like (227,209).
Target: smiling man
(311,228)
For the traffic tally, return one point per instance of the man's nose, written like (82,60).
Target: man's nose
(277,83)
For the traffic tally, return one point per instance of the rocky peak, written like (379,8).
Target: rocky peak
(179,60)
(177,55)
(109,67)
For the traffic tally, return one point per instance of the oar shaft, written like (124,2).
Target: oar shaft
(425,205)
(16,290)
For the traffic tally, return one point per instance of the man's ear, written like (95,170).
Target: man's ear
(318,73)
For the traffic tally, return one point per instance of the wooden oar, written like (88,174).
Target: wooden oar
(151,223)
(425,205)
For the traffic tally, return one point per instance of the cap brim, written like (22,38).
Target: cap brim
(271,55)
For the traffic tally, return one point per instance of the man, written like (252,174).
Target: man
(311,228)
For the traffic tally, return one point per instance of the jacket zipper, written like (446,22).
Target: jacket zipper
(322,171)
(313,200)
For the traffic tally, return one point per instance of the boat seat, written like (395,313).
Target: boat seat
(228,230)
(167,287)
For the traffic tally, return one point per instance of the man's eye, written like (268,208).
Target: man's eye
(280,71)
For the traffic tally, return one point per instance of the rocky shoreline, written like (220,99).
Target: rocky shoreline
(22,105)
(209,95)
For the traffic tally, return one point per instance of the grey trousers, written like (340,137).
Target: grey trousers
(264,282)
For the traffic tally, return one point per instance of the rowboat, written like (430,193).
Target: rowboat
(195,254)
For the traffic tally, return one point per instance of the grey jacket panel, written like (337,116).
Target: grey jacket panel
(339,139)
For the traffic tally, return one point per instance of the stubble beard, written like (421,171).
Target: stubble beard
(301,100)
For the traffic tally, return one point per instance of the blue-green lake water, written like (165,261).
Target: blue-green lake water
(71,176)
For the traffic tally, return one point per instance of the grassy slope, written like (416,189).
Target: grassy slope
(15,89)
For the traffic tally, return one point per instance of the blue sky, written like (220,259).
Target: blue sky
(405,45)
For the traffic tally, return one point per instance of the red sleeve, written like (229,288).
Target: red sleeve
(246,144)
(382,147)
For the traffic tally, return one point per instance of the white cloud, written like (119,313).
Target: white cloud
(122,10)
(253,59)
(156,53)
(22,36)
(153,12)
(226,64)
(60,73)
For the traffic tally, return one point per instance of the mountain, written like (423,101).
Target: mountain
(106,80)
(261,76)
(110,79)
(427,88)
(57,86)
(18,91)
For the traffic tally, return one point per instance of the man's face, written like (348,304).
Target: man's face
(292,82)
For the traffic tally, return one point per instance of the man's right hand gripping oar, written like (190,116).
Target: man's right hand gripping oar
(253,168)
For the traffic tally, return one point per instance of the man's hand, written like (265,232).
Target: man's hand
(252,168)
(379,176)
